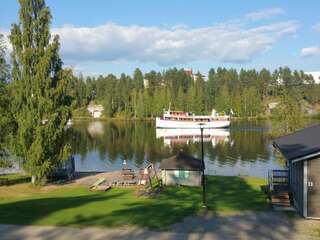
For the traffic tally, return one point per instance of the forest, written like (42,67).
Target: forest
(245,93)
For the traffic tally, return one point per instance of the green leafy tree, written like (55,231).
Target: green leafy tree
(5,122)
(237,103)
(180,100)
(40,104)
(288,116)
(223,100)
(251,102)
(140,105)
(199,99)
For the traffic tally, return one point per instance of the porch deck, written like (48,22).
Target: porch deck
(278,188)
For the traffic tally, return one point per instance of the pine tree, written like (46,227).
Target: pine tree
(138,79)
(40,106)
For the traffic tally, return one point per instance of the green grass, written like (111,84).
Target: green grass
(76,206)
(13,178)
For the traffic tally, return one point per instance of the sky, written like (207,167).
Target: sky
(115,36)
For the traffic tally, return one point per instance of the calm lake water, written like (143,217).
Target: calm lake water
(101,146)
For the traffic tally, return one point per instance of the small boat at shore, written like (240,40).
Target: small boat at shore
(180,119)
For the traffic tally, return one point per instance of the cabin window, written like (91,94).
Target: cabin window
(181,174)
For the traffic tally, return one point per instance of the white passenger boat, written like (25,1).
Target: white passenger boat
(179,119)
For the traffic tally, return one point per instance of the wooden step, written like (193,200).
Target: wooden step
(280,195)
(275,200)
(281,205)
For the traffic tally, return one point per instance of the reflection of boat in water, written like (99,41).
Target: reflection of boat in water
(95,128)
(186,136)
(186,120)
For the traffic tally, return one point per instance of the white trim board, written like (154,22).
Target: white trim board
(306,157)
(305,189)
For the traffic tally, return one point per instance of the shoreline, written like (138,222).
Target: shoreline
(257,118)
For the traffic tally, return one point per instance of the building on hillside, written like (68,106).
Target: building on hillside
(315,75)
(190,73)
(145,83)
(95,110)
(301,151)
(181,169)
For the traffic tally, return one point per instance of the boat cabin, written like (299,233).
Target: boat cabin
(181,169)
(95,110)
(302,153)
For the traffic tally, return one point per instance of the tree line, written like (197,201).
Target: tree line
(145,95)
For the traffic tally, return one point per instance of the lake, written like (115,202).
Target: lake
(101,146)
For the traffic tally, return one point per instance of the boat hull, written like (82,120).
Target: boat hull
(160,123)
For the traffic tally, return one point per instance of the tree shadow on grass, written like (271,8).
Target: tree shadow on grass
(225,194)
(31,211)
(234,194)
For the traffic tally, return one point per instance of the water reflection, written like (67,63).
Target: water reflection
(102,146)
(173,137)
(95,128)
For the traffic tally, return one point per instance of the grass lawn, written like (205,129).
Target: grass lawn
(76,206)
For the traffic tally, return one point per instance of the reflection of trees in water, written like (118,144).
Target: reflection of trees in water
(120,140)
(136,141)
(248,142)
(247,146)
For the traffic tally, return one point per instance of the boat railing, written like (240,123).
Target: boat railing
(278,179)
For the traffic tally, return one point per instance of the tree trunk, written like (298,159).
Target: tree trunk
(33,179)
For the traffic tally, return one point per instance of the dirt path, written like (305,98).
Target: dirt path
(243,226)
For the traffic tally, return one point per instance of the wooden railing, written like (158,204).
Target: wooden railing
(278,180)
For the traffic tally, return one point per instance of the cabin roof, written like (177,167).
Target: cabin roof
(300,145)
(181,161)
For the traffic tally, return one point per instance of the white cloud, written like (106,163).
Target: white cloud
(310,51)
(168,46)
(223,42)
(316,27)
(265,14)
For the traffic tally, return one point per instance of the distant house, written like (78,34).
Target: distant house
(181,169)
(315,75)
(145,83)
(271,106)
(95,110)
(302,153)
(195,77)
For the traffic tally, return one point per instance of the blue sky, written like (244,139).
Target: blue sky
(101,37)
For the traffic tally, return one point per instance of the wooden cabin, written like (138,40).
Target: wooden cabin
(302,153)
(181,169)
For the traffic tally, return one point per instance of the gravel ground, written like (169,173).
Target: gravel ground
(266,225)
